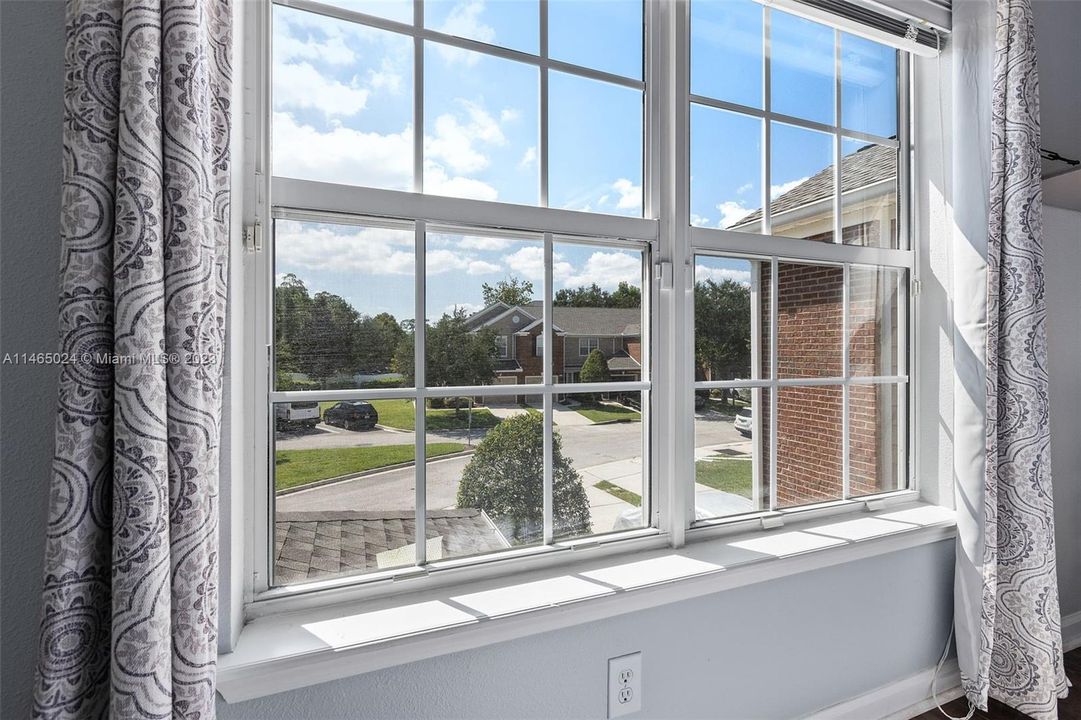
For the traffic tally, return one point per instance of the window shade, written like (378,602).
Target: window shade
(911,25)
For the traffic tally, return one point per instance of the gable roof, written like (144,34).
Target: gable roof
(313,545)
(868,165)
(588,321)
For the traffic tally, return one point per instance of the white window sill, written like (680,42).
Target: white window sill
(292,650)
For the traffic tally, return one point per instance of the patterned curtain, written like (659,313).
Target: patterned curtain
(129,617)
(1020,646)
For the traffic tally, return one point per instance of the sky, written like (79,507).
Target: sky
(342,112)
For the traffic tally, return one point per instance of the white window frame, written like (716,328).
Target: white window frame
(502,344)
(665,235)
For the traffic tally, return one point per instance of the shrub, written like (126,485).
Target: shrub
(595,369)
(505,479)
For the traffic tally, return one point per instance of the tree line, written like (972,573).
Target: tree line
(323,336)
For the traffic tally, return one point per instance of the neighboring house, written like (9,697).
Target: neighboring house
(617,332)
(810,336)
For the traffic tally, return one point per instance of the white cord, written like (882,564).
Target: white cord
(934,682)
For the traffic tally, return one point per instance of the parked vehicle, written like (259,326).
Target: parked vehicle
(743,422)
(351,415)
(701,397)
(298,413)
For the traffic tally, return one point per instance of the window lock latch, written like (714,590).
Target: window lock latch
(253,237)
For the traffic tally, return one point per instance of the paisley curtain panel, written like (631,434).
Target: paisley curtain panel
(1014,612)
(128,625)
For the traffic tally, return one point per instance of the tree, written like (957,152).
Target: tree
(722,329)
(505,479)
(377,340)
(330,345)
(595,368)
(454,354)
(624,296)
(292,308)
(511,291)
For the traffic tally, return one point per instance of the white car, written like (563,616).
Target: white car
(743,422)
(297,413)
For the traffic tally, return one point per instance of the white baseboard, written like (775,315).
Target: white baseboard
(1071,631)
(899,700)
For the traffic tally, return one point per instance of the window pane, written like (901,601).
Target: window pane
(480,126)
(809,445)
(597,313)
(343,306)
(729,474)
(809,320)
(728,296)
(801,177)
(868,86)
(343,102)
(802,67)
(595,146)
(356,512)
(598,478)
(492,498)
(726,50)
(726,169)
(508,24)
(874,320)
(485,309)
(869,199)
(599,34)
(874,429)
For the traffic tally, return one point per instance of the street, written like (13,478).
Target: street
(599,452)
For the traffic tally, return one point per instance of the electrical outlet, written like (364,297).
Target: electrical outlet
(624,685)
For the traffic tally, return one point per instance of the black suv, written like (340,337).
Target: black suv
(351,415)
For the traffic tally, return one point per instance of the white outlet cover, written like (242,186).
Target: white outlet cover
(624,685)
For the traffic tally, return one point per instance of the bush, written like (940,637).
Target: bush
(505,479)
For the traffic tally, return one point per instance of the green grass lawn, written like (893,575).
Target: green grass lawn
(399,414)
(728,474)
(622,493)
(299,467)
(607,413)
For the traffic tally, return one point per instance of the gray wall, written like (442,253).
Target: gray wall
(771,650)
(31,107)
(1062,246)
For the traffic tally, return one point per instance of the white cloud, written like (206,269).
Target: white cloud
(630,195)
(299,85)
(482,267)
(742,189)
(289,46)
(387,77)
(342,155)
(453,141)
(374,251)
(469,308)
(703,272)
(353,157)
(508,115)
(775,191)
(529,157)
(699,220)
(464,21)
(731,213)
(474,242)
(527,262)
(605,268)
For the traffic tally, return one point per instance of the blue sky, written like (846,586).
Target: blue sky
(343,113)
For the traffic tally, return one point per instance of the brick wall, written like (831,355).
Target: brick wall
(533,365)
(809,419)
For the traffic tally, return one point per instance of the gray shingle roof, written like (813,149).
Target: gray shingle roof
(313,545)
(593,321)
(866,166)
(621,362)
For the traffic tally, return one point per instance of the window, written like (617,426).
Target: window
(799,360)
(413,425)
(459,213)
(587,345)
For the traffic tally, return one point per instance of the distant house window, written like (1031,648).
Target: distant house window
(588,345)
(502,346)
(538,346)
